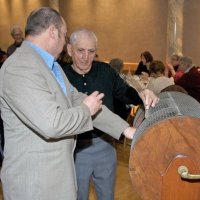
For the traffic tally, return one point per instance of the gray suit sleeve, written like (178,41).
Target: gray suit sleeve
(105,120)
(27,93)
(110,123)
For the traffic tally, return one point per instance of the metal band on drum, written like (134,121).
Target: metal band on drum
(171,104)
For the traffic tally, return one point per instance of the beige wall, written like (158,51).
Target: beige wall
(191,33)
(124,28)
(15,12)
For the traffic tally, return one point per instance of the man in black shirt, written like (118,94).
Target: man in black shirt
(95,157)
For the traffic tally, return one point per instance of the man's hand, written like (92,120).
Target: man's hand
(94,102)
(149,98)
(129,132)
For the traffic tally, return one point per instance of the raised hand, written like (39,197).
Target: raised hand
(149,98)
(94,102)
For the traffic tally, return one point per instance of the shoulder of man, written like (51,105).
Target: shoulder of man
(11,49)
(103,66)
(23,56)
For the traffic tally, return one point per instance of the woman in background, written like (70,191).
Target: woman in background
(141,76)
(158,81)
(143,67)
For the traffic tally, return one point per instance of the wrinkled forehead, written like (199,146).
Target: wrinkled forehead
(85,41)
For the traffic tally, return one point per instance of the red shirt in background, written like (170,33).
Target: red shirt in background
(190,81)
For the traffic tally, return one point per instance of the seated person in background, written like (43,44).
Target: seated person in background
(120,108)
(118,64)
(17,35)
(143,67)
(3,57)
(190,80)
(142,71)
(158,81)
(172,69)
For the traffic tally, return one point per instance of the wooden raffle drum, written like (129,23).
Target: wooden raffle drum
(163,146)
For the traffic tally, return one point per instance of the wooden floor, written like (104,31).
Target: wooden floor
(123,188)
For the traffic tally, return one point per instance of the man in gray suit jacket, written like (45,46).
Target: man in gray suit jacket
(42,113)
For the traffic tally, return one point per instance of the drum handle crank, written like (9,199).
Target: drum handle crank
(183,171)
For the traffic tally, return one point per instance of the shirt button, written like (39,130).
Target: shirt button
(83,75)
(85,83)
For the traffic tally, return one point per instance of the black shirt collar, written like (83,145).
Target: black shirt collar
(91,73)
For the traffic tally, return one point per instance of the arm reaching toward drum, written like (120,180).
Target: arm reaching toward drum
(149,98)
(129,132)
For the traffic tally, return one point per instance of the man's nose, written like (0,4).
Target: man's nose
(85,56)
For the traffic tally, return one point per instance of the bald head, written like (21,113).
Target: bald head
(82,33)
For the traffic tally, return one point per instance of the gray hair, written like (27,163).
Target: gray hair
(90,34)
(178,56)
(14,28)
(186,60)
(116,64)
(41,19)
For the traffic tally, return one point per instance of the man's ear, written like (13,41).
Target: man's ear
(52,31)
(69,49)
